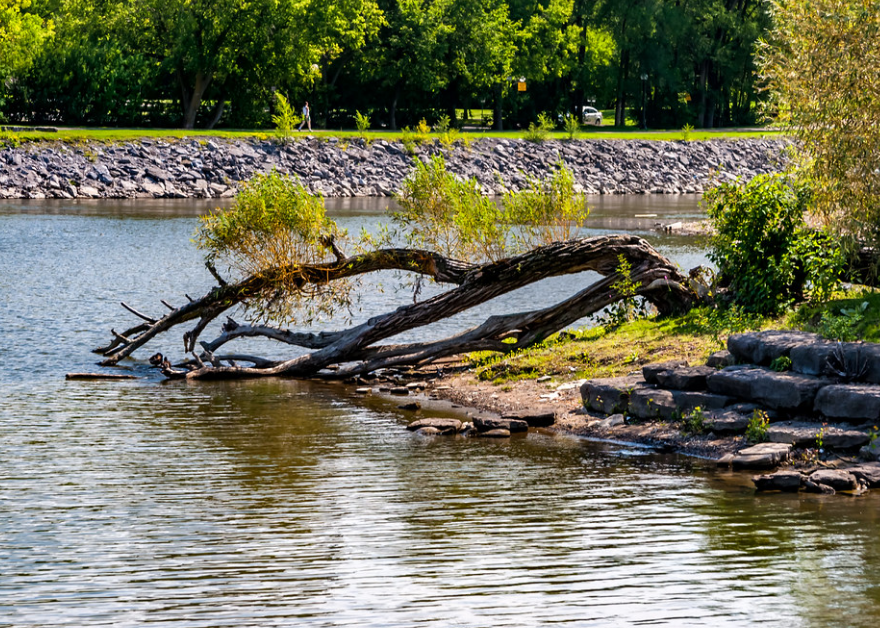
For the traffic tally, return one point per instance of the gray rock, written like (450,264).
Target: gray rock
(611,422)
(837,479)
(812,487)
(399,390)
(441,425)
(850,402)
(485,424)
(781,391)
(652,403)
(802,434)
(763,347)
(687,378)
(871,451)
(609,395)
(428,431)
(786,481)
(810,358)
(534,418)
(650,371)
(689,400)
(761,456)
(724,423)
(867,354)
(720,359)
(867,473)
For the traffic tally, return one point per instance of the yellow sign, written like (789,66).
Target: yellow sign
(521,86)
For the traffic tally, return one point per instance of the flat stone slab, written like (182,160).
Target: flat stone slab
(687,400)
(610,395)
(652,403)
(484,424)
(786,481)
(685,378)
(534,418)
(811,358)
(762,347)
(729,422)
(780,391)
(650,371)
(864,353)
(761,456)
(856,403)
(868,473)
(837,479)
(611,422)
(803,434)
(871,451)
(442,425)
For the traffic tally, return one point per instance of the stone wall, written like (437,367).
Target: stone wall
(191,168)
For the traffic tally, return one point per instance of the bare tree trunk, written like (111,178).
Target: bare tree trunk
(192,100)
(355,350)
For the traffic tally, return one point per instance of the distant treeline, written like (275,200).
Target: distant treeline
(205,63)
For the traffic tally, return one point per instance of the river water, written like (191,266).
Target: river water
(284,503)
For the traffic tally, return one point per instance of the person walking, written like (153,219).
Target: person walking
(307,118)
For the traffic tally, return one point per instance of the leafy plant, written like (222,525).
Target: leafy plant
(694,422)
(629,307)
(756,431)
(570,125)
(285,119)
(686,131)
(409,141)
(362,121)
(443,124)
(273,221)
(843,327)
(780,364)
(540,132)
(820,439)
(423,130)
(764,252)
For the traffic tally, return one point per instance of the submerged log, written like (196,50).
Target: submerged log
(355,351)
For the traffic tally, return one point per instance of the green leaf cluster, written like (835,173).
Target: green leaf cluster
(765,253)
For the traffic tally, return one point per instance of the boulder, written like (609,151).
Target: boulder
(429,431)
(810,359)
(720,359)
(762,347)
(652,403)
(446,426)
(786,481)
(855,403)
(782,391)
(812,487)
(804,434)
(534,418)
(724,423)
(685,378)
(687,400)
(867,354)
(871,451)
(650,371)
(610,395)
(837,479)
(761,456)
(867,473)
(485,424)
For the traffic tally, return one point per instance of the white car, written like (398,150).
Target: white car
(592,116)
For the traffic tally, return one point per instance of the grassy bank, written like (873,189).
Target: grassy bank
(604,133)
(599,352)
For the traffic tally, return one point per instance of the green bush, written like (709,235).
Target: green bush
(363,123)
(540,132)
(764,251)
(756,432)
(695,422)
(285,118)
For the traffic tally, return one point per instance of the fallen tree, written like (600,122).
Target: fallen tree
(305,278)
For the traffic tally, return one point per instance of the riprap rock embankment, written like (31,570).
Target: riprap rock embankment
(191,168)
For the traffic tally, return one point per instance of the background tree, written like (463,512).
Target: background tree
(22,34)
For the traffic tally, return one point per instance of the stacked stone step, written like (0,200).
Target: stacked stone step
(738,381)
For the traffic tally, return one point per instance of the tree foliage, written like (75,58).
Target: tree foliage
(822,64)
(22,34)
(201,62)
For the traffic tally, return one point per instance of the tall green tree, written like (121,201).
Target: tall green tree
(22,34)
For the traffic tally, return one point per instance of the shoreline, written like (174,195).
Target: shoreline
(334,167)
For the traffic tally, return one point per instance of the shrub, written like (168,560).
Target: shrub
(540,132)
(843,327)
(570,125)
(285,119)
(694,422)
(764,252)
(756,431)
(363,123)
(780,364)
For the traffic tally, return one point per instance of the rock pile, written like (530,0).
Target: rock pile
(213,168)
(830,398)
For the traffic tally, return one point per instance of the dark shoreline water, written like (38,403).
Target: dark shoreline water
(292,503)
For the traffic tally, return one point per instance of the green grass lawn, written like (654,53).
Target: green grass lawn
(590,132)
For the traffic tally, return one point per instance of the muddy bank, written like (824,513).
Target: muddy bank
(214,168)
